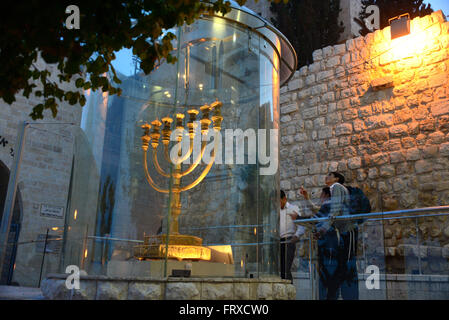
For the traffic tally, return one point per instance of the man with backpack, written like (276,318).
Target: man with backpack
(337,240)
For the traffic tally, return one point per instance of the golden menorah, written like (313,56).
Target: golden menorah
(175,245)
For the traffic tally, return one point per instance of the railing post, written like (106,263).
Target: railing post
(43,257)
(418,246)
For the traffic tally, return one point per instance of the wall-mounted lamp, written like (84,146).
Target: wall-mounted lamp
(400,26)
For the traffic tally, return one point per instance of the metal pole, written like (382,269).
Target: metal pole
(418,245)
(43,257)
(11,194)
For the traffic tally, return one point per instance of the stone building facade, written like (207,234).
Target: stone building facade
(377,111)
(350,9)
(43,184)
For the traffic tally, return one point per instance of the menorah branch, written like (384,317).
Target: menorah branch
(148,176)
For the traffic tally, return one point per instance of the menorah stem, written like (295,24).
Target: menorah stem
(175,204)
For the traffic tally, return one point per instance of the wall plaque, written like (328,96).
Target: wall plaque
(52,211)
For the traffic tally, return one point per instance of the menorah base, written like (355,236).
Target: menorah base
(180,247)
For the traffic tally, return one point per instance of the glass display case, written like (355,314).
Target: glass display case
(179,174)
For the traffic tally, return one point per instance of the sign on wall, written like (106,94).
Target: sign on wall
(52,211)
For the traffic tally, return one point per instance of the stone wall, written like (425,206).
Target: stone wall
(44,178)
(103,288)
(391,287)
(377,111)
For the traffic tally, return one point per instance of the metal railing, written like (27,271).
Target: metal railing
(310,225)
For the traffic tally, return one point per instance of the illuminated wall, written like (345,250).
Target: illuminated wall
(378,111)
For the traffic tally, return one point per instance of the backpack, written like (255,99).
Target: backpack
(358,201)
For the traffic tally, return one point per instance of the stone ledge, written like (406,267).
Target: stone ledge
(119,288)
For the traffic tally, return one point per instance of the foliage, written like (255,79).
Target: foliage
(32,28)
(309,25)
(392,8)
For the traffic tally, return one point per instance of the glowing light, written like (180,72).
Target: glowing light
(393,57)
(406,47)
(200,86)
(85,253)
(75,214)
(255,231)
(54,228)
(241,263)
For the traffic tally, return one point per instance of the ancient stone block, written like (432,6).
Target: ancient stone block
(328,51)
(54,289)
(422,166)
(264,291)
(403,115)
(317,55)
(359,125)
(379,135)
(343,129)
(355,163)
(219,291)
(408,142)
(444,123)
(303,71)
(315,67)
(286,118)
(144,291)
(379,159)
(295,84)
(398,131)
(333,62)
(397,156)
(387,171)
(310,113)
(291,130)
(444,149)
(112,290)
(365,111)
(429,151)
(279,291)
(318,89)
(373,173)
(324,75)
(328,97)
(289,108)
(427,125)
(241,291)
(310,79)
(182,291)
(436,137)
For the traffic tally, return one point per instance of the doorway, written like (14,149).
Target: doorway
(11,250)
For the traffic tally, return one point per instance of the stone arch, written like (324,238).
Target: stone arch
(8,269)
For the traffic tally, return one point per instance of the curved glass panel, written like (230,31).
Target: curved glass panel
(139,206)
